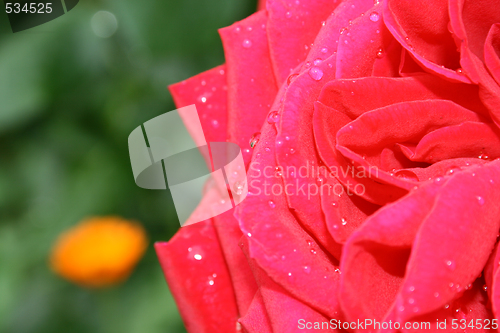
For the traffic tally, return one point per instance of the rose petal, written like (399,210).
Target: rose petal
(469,139)
(441,224)
(409,122)
(327,122)
(344,211)
(367,33)
(283,308)
(286,252)
(492,52)
(295,147)
(292,28)
(251,83)
(382,92)
(244,284)
(208,92)
(469,307)
(421,28)
(326,43)
(256,320)
(196,272)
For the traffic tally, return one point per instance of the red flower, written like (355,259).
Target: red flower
(373,187)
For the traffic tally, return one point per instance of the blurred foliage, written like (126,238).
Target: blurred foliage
(68,101)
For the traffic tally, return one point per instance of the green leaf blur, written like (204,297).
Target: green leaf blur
(68,101)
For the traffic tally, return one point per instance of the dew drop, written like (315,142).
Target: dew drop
(315,73)
(450,264)
(198,256)
(289,274)
(291,78)
(436,294)
(238,188)
(211,282)
(485,287)
(288,14)
(215,123)
(254,139)
(249,234)
(317,62)
(401,308)
(324,50)
(247,43)
(380,53)
(480,200)
(273,117)
(271,204)
(344,221)
(483,156)
(411,300)
(307,269)
(292,151)
(374,17)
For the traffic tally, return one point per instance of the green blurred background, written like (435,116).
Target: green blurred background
(68,101)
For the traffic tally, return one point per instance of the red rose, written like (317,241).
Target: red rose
(373,177)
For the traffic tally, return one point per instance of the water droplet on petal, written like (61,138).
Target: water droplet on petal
(450,264)
(315,73)
(436,294)
(249,234)
(273,117)
(380,53)
(211,282)
(324,50)
(288,14)
(317,62)
(215,123)
(254,139)
(374,17)
(307,269)
(291,78)
(344,221)
(238,187)
(271,204)
(480,200)
(198,256)
(247,43)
